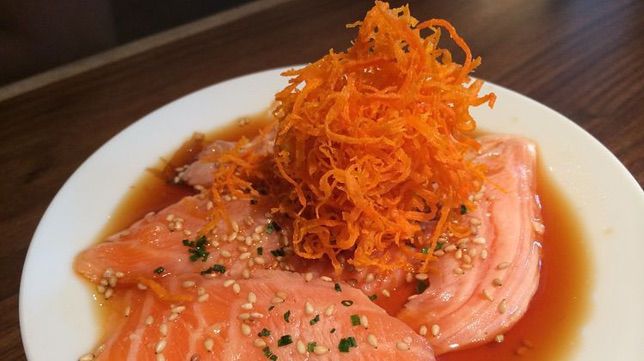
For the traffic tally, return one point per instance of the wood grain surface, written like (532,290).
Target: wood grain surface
(583,58)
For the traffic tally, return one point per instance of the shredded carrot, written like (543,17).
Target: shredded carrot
(375,144)
(162,293)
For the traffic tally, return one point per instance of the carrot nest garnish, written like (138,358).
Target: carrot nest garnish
(376,143)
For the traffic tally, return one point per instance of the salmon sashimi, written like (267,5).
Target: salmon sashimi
(484,283)
(167,243)
(274,315)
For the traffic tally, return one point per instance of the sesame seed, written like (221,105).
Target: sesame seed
(87,357)
(473,252)
(173,316)
(308,277)
(248,241)
(225,254)
(497,282)
(326,279)
(301,348)
(422,330)
(484,254)
(163,329)
(467,259)
(228,283)
(100,289)
(201,291)
(370,278)
(259,229)
(247,306)
(188,284)
(458,254)
(160,346)
(372,340)
(479,240)
(364,321)
(421,276)
(236,288)
(149,320)
(112,281)
(503,265)
(499,338)
(235,226)
(281,294)
(466,266)
(308,308)
(259,260)
(245,329)
(436,330)
(255,237)
(487,294)
(329,310)
(458,271)
(439,253)
(246,273)
(108,293)
(127,311)
(450,248)
(475,221)
(386,293)
(320,350)
(503,306)
(244,256)
(402,346)
(277,300)
(256,315)
(178,309)
(252,297)
(259,343)
(209,344)
(244,316)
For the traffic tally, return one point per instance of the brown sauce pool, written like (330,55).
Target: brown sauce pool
(548,331)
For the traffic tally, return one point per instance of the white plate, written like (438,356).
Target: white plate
(56,314)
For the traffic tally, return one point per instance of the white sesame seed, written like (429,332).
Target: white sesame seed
(256,315)
(244,256)
(326,278)
(372,340)
(127,311)
(301,348)
(467,259)
(255,237)
(259,343)
(308,277)
(252,297)
(503,265)
(277,300)
(308,308)
(236,288)
(259,260)
(163,329)
(235,226)
(479,240)
(87,357)
(225,254)
(364,321)
(247,306)
(422,330)
(484,254)
(499,338)
(487,294)
(281,294)
(421,276)
(475,221)
(473,252)
(245,329)
(458,254)
(112,281)
(439,253)
(259,229)
(370,278)
(450,248)
(228,283)
(329,310)
(201,291)
(466,266)
(203,298)
(149,320)
(108,293)
(386,293)
(173,316)
(178,309)
(436,330)
(503,306)
(320,350)
(188,284)
(141,286)
(246,273)
(402,346)
(248,241)
(160,346)
(209,344)
(244,316)
(232,236)
(458,271)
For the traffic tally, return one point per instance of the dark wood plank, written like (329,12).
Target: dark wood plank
(583,58)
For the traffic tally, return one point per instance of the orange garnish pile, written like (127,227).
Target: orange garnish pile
(377,141)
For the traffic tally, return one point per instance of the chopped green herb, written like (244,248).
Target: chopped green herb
(333,330)
(463,209)
(314,320)
(264,333)
(373,297)
(355,320)
(311,346)
(338,288)
(424,250)
(216,268)
(197,249)
(278,252)
(347,303)
(159,270)
(270,228)
(346,343)
(269,355)
(284,340)
(260,250)
(421,286)
(439,245)
(287,315)
(273,358)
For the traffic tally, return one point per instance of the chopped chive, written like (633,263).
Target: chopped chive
(269,355)
(311,346)
(278,252)
(347,303)
(273,358)
(373,297)
(197,249)
(352,341)
(159,270)
(421,286)
(284,340)
(314,320)
(424,250)
(355,320)
(287,315)
(346,343)
(439,245)
(338,288)
(463,209)
(216,268)
(264,333)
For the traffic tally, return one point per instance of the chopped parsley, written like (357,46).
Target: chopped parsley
(264,333)
(284,340)
(421,286)
(463,209)
(272,226)
(159,270)
(216,268)
(439,245)
(310,347)
(278,252)
(287,316)
(424,250)
(338,288)
(373,297)
(269,355)
(260,250)
(346,343)
(355,320)
(346,303)
(197,249)
(314,320)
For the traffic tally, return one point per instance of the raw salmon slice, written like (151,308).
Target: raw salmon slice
(484,283)
(157,243)
(275,315)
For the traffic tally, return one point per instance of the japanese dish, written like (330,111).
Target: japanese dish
(366,220)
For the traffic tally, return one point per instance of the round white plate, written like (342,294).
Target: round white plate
(56,313)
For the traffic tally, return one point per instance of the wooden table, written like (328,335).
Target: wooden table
(584,58)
